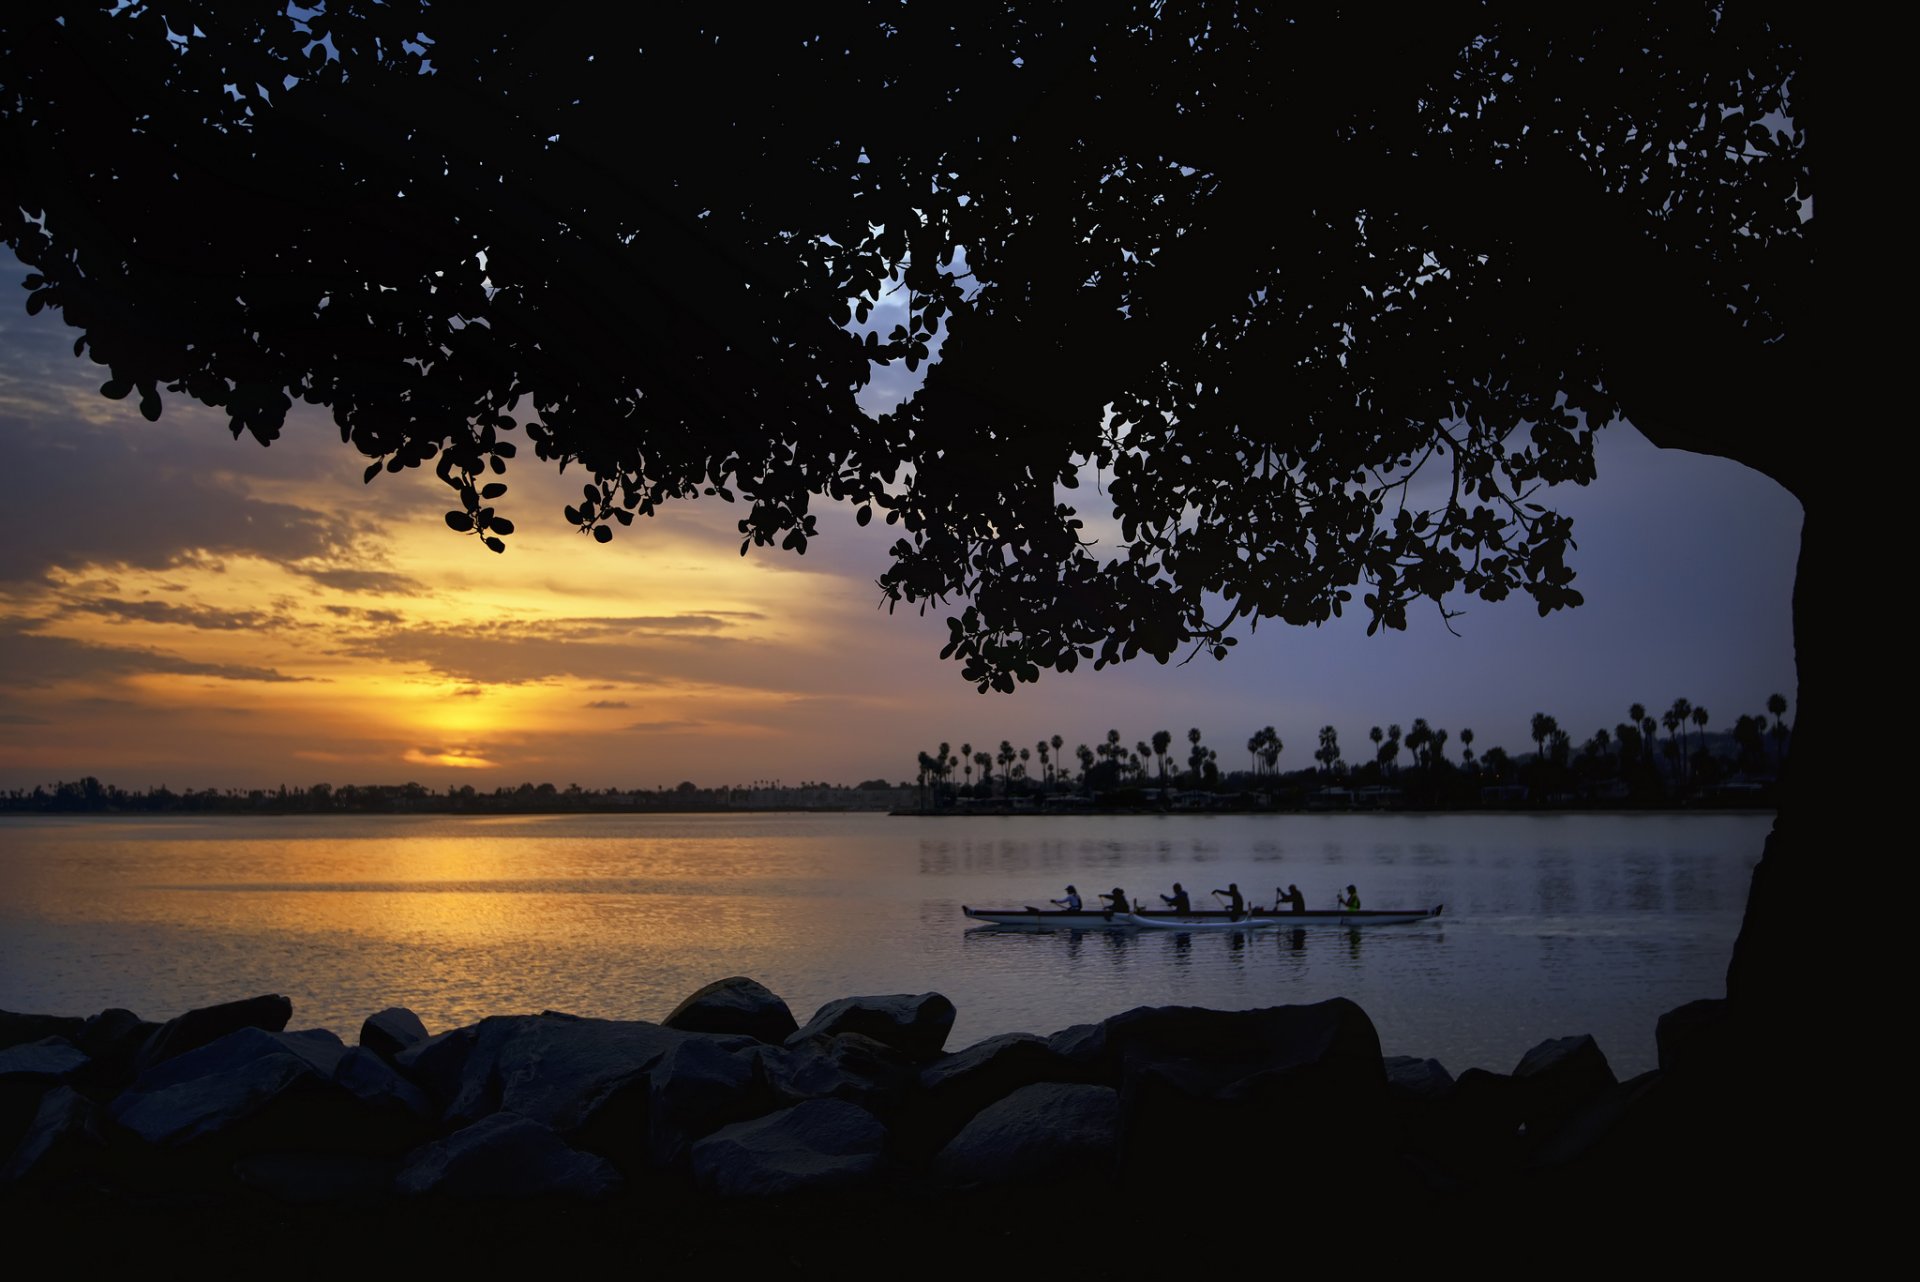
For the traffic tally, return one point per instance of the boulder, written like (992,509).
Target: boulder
(1688,1030)
(1085,1047)
(555,1070)
(113,1038)
(1559,1077)
(16,1029)
(916,1026)
(392,1031)
(1593,1124)
(953,1088)
(27,1072)
(437,1064)
(505,1155)
(695,1089)
(849,1067)
(49,1060)
(1196,1083)
(737,1005)
(1477,1129)
(375,1083)
(816,1146)
(1045,1133)
(63,1138)
(256,1091)
(1410,1077)
(208,1024)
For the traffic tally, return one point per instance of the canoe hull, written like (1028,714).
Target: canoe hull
(1206,920)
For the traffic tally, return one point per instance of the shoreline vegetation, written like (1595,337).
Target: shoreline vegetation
(729,1112)
(1626,769)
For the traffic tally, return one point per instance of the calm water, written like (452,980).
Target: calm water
(1554,925)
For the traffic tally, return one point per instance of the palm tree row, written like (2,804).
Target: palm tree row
(1631,751)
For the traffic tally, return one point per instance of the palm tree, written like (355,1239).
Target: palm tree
(985,761)
(1543,728)
(1271,753)
(1162,740)
(1466,747)
(1700,719)
(1637,718)
(1417,740)
(1046,770)
(1777,705)
(966,755)
(1439,750)
(1672,722)
(1682,710)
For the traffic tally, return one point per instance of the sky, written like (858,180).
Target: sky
(181,608)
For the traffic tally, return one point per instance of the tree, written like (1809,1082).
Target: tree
(1544,728)
(452,263)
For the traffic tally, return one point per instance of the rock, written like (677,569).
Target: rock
(505,1156)
(1085,1047)
(1593,1123)
(114,1037)
(257,1091)
(737,1005)
(953,1088)
(1045,1133)
(915,1026)
(1476,1129)
(437,1064)
(556,1070)
(812,1147)
(1195,1083)
(17,1029)
(697,1088)
(1689,1029)
(50,1060)
(375,1083)
(846,1066)
(1558,1077)
(1410,1077)
(63,1138)
(392,1031)
(197,1028)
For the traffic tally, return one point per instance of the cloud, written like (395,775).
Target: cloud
(365,616)
(608,703)
(372,582)
(34,659)
(22,719)
(665,725)
(192,616)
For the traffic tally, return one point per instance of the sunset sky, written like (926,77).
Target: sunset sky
(177,607)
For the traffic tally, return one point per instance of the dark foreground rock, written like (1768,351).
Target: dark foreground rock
(1208,1117)
(1041,1134)
(505,1156)
(736,1005)
(819,1146)
(913,1025)
(196,1028)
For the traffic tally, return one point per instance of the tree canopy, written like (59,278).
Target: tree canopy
(1324,297)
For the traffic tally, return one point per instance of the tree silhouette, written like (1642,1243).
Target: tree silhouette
(460,233)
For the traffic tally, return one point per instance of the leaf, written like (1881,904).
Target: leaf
(501,525)
(602,534)
(863,515)
(116,389)
(458,521)
(494,544)
(492,490)
(373,470)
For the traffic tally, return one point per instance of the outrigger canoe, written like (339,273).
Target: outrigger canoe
(1205,919)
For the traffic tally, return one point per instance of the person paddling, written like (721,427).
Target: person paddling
(1119,901)
(1071,903)
(1352,901)
(1236,902)
(1290,896)
(1179,901)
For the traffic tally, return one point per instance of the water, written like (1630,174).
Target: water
(1553,925)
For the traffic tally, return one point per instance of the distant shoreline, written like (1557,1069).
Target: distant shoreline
(1080,813)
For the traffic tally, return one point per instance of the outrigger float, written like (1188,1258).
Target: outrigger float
(1208,919)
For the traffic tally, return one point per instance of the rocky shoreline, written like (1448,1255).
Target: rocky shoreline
(731,1112)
